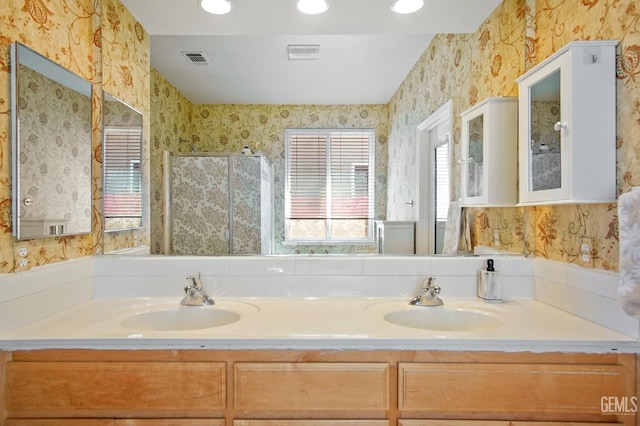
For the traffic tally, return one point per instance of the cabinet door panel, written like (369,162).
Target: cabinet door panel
(169,422)
(311,386)
(310,423)
(513,388)
(562,424)
(88,389)
(454,423)
(59,422)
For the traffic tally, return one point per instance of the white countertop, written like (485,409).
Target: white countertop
(337,323)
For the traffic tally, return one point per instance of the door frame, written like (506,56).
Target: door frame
(425,216)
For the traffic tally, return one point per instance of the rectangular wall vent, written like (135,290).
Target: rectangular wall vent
(303,52)
(196,58)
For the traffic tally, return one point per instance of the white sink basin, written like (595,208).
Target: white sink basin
(180,318)
(442,318)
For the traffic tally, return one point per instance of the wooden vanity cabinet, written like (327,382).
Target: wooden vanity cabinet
(312,388)
(494,423)
(310,423)
(116,422)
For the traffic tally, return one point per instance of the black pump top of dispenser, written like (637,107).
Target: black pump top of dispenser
(490,265)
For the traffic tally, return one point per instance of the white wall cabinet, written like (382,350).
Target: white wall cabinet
(567,136)
(489,153)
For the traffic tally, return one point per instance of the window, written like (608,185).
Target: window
(329,196)
(122,177)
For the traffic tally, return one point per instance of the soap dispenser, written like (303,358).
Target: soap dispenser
(490,284)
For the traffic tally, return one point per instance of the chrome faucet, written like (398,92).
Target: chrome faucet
(195,294)
(429,296)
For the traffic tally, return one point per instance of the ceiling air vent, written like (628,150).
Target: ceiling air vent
(303,52)
(196,58)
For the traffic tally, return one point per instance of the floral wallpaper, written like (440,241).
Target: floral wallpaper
(101,41)
(202,193)
(470,67)
(170,123)
(55,153)
(126,75)
(228,128)
(95,39)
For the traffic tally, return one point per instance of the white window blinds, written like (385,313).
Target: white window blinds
(330,176)
(122,175)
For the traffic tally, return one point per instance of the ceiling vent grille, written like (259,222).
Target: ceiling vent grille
(196,58)
(303,52)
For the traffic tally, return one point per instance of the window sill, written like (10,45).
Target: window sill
(293,243)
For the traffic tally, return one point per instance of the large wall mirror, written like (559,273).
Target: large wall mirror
(51,147)
(122,158)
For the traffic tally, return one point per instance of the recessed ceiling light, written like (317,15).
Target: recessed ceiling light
(312,7)
(407,6)
(216,7)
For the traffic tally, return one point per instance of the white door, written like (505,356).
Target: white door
(433,189)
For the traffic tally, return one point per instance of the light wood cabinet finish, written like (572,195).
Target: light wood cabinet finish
(453,423)
(170,422)
(311,386)
(59,422)
(508,388)
(494,423)
(101,389)
(562,424)
(310,423)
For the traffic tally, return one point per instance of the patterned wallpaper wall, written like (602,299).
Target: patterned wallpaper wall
(55,162)
(100,41)
(228,128)
(471,67)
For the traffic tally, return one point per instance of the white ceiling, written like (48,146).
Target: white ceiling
(366,50)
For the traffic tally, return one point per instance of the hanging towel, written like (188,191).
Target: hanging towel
(629,230)
(452,229)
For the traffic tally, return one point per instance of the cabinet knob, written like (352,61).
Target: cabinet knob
(27,201)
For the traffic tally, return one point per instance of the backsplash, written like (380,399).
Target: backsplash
(590,294)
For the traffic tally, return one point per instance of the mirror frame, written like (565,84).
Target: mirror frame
(107,97)
(21,54)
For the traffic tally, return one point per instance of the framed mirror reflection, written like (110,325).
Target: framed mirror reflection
(51,147)
(122,161)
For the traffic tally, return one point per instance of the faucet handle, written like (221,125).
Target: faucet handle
(195,282)
(428,283)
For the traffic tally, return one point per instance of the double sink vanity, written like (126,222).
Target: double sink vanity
(290,341)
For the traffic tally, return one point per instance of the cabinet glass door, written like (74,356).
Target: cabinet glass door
(545,130)
(475,157)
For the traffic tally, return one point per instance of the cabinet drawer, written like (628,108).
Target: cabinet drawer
(310,423)
(454,423)
(311,386)
(169,422)
(58,422)
(511,388)
(88,389)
